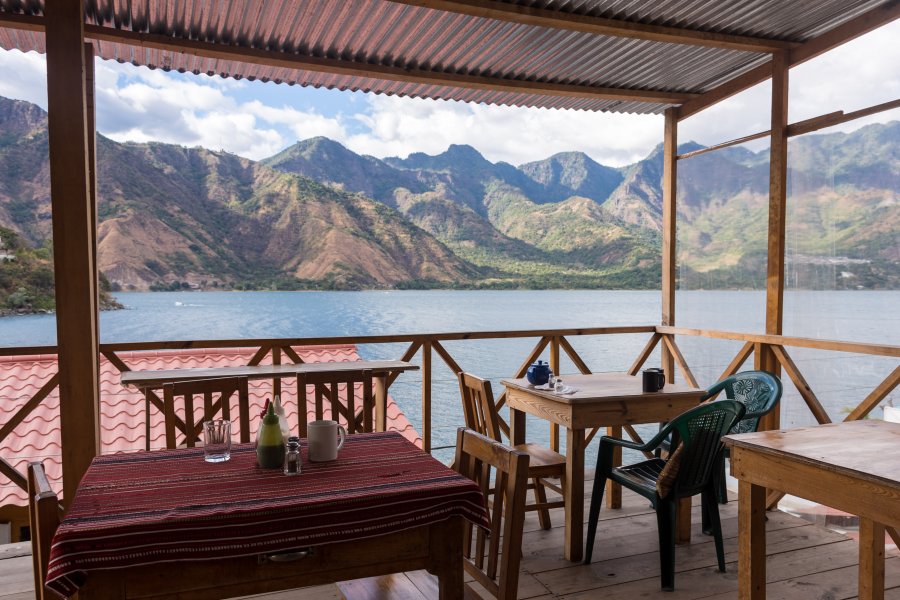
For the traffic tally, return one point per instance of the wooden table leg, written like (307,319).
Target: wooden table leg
(516,427)
(381,387)
(871,560)
(574,545)
(752,541)
(445,548)
(613,489)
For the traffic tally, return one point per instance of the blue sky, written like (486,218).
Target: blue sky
(255,119)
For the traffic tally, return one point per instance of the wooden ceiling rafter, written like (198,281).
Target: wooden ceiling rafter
(852,29)
(688,104)
(554,19)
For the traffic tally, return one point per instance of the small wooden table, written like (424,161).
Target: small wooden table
(604,399)
(154,380)
(315,373)
(848,466)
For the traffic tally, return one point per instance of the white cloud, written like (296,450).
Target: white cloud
(861,73)
(399,126)
(24,77)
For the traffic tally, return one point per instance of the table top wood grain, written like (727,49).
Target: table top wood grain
(865,450)
(156,379)
(604,387)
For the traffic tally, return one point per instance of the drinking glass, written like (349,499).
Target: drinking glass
(217,440)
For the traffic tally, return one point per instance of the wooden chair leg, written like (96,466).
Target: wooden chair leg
(540,497)
(666,511)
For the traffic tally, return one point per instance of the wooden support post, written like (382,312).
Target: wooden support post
(554,366)
(74,239)
(669,187)
(276,381)
(90,88)
(777,219)
(426,396)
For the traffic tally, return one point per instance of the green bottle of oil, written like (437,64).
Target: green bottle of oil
(269,442)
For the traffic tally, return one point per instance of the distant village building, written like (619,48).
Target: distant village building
(4,255)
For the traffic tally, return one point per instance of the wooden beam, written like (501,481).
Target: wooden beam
(354,69)
(426,396)
(91,114)
(803,387)
(838,117)
(872,400)
(852,29)
(73,240)
(555,19)
(669,241)
(765,358)
(734,142)
(350,68)
(777,197)
(782,340)
(726,90)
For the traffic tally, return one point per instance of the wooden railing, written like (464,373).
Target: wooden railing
(554,341)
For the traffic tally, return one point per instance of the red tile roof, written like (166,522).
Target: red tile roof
(122,409)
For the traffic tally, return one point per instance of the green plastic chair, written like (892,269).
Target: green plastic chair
(760,392)
(688,472)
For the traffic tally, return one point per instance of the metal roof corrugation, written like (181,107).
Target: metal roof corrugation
(792,21)
(378,32)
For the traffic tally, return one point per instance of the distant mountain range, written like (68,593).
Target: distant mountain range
(319,216)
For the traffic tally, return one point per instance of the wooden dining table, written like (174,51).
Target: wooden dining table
(849,466)
(167,524)
(382,371)
(612,400)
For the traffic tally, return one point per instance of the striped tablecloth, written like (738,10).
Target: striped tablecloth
(171,505)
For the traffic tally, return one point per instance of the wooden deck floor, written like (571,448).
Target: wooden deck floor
(805,561)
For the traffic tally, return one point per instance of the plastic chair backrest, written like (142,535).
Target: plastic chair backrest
(759,391)
(700,431)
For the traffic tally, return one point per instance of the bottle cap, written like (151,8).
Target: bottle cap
(271,418)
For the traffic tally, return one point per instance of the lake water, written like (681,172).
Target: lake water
(840,380)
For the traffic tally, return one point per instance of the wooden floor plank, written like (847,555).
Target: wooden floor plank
(804,561)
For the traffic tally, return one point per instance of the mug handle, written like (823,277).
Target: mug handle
(342,433)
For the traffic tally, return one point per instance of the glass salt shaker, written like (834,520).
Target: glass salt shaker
(558,386)
(292,456)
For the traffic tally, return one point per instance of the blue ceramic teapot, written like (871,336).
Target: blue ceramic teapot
(538,373)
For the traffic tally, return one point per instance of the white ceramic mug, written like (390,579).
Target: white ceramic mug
(323,440)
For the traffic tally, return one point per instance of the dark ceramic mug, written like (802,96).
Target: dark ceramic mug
(653,379)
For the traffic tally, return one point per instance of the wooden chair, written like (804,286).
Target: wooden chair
(481,415)
(362,408)
(216,394)
(476,456)
(43,519)
(491,559)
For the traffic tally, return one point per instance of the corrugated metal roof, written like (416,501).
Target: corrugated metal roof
(390,34)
